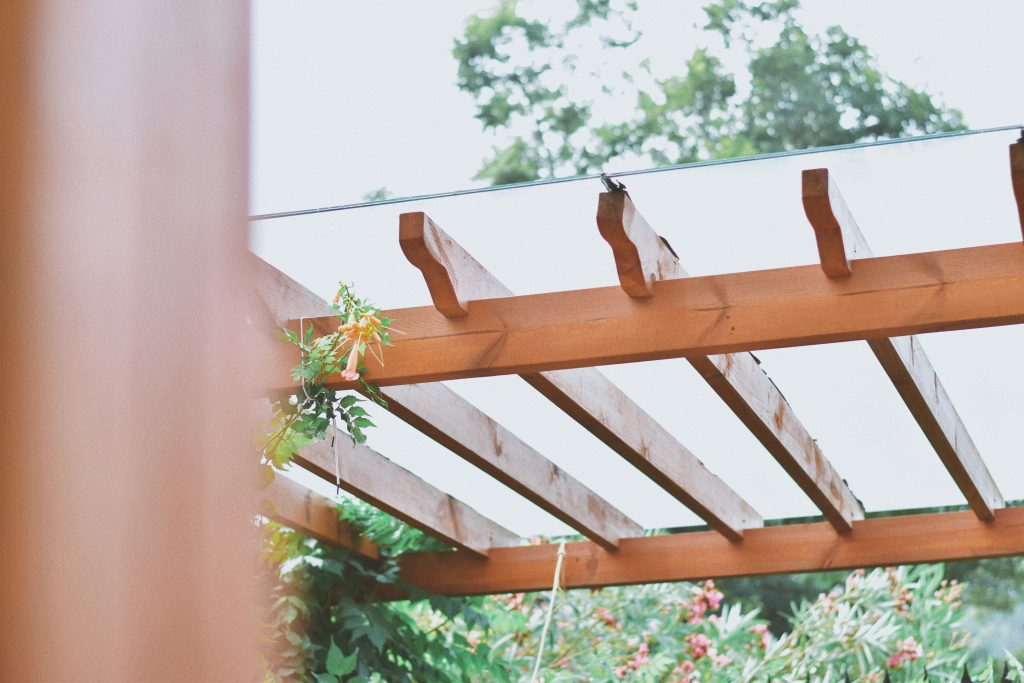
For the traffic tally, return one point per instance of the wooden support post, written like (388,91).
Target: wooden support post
(737,378)
(452,421)
(902,358)
(586,395)
(370,476)
(882,541)
(1017,176)
(297,507)
(127,484)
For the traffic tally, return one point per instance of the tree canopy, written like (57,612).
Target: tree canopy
(554,111)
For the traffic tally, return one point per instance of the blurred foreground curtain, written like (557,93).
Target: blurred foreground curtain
(125,475)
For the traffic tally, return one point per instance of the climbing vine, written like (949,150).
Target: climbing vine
(306,416)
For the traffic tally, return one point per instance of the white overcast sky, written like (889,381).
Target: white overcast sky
(353,96)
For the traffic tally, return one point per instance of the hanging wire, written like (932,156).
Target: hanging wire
(337,460)
(622,174)
(551,610)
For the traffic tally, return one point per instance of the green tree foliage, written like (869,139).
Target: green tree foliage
(554,114)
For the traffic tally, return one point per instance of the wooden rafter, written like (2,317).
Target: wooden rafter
(452,421)
(295,506)
(454,278)
(812,547)
(1017,176)
(840,242)
(888,296)
(449,419)
(370,476)
(642,258)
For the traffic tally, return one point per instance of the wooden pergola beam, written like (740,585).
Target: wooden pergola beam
(295,506)
(840,241)
(454,278)
(642,258)
(888,296)
(881,541)
(1017,176)
(370,476)
(452,421)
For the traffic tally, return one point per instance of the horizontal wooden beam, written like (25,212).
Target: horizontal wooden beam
(889,296)
(298,508)
(902,358)
(1017,176)
(454,279)
(737,378)
(882,541)
(452,421)
(370,476)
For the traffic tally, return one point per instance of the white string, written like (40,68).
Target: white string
(337,460)
(551,611)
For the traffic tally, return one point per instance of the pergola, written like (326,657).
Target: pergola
(477,327)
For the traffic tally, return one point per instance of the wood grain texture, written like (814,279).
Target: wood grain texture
(453,277)
(906,364)
(641,257)
(738,378)
(443,415)
(889,296)
(1017,177)
(609,414)
(452,421)
(839,239)
(740,382)
(585,394)
(295,506)
(882,541)
(370,476)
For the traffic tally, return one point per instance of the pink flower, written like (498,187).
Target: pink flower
(909,650)
(721,660)
(699,644)
(712,595)
(351,371)
(761,630)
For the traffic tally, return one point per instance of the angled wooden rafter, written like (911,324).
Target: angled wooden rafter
(881,541)
(370,476)
(454,278)
(1017,176)
(295,506)
(840,242)
(642,258)
(452,421)
(785,307)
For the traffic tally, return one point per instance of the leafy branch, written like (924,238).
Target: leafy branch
(306,417)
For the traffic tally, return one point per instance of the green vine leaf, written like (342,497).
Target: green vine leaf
(308,416)
(338,663)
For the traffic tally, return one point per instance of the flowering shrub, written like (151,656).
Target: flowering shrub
(896,620)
